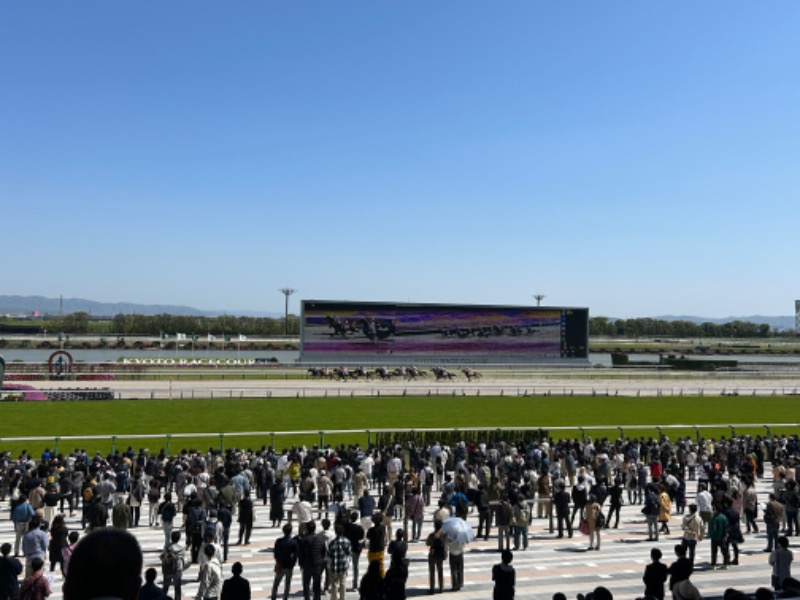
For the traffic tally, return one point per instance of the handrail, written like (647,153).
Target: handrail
(368,432)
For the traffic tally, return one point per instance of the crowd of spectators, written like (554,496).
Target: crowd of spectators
(336,503)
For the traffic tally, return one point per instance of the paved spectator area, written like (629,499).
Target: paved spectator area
(550,565)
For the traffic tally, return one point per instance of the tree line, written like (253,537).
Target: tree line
(228,325)
(166,325)
(646,327)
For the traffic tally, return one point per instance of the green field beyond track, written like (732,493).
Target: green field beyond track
(127,419)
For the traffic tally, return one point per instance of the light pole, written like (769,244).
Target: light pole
(539,298)
(286,292)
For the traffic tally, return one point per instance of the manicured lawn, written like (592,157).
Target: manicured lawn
(131,418)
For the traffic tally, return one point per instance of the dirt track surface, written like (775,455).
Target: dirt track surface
(554,384)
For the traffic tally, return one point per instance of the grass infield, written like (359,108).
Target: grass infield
(127,419)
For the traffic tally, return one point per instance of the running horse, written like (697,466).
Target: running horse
(471,374)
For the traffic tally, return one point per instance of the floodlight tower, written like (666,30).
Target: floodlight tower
(797,317)
(286,292)
(539,298)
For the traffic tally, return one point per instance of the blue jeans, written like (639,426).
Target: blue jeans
(520,531)
(772,535)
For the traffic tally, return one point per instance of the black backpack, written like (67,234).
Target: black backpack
(169,563)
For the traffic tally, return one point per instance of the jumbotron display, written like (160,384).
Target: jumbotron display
(378,332)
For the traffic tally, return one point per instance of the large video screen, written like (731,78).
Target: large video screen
(390,332)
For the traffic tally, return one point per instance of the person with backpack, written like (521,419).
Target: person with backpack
(650,511)
(173,562)
(437,552)
(285,554)
(718,534)
(153,496)
(522,518)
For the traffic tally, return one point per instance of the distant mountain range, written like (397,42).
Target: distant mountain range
(28,305)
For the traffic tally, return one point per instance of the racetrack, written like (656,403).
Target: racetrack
(583,382)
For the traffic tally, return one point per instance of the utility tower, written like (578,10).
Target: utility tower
(286,292)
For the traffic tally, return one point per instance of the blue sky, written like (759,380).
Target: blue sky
(638,158)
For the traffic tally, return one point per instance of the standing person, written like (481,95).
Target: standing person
(655,574)
(579,496)
(210,576)
(415,512)
(246,518)
(35,586)
(277,496)
(504,577)
(681,569)
(615,503)
(718,534)
(355,533)
(66,551)
(339,555)
(650,511)
(664,508)
(58,541)
(311,554)
(781,560)
(436,554)
(484,509)
(561,502)
(593,509)
(522,517)
(225,519)
(10,569)
(121,516)
(376,541)
(750,505)
(734,531)
(34,545)
(173,562)
(372,586)
(167,511)
(150,591)
(285,553)
(773,514)
(504,519)
(237,587)
(21,514)
(153,496)
(692,526)
(455,552)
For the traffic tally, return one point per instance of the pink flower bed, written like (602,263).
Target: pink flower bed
(29,393)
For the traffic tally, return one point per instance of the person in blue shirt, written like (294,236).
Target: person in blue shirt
(21,515)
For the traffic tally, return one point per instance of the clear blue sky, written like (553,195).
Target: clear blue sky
(638,158)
